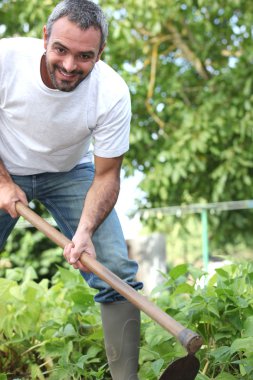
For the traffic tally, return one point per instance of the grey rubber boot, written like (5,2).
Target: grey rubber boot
(121,323)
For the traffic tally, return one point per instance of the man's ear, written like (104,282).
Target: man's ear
(100,52)
(45,36)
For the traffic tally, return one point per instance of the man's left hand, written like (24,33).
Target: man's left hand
(73,251)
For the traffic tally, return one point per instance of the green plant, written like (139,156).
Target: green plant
(28,247)
(220,309)
(52,333)
(55,332)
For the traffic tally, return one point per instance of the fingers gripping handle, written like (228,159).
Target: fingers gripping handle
(190,340)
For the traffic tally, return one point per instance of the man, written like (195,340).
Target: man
(56,97)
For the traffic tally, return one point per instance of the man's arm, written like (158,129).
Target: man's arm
(10,193)
(102,195)
(99,202)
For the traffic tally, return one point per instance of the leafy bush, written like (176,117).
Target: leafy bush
(221,311)
(55,332)
(27,247)
(52,333)
(31,248)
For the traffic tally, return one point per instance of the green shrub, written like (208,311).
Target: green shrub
(55,332)
(52,333)
(222,313)
(25,248)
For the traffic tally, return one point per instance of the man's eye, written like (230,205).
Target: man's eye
(60,50)
(84,57)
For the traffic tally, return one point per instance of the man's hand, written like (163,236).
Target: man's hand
(99,202)
(81,244)
(10,193)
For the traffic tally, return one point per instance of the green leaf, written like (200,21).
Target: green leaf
(93,351)
(157,366)
(82,361)
(200,376)
(36,372)
(66,331)
(155,335)
(15,274)
(248,326)
(221,272)
(178,271)
(221,354)
(244,344)
(183,288)
(68,276)
(30,274)
(225,376)
(17,293)
(81,299)
(56,348)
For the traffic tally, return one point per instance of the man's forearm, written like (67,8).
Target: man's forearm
(4,175)
(99,202)
(10,193)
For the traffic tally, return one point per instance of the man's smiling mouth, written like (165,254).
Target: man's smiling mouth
(68,75)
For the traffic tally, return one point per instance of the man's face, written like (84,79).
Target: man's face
(71,54)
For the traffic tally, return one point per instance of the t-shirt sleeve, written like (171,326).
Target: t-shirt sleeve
(3,45)
(111,134)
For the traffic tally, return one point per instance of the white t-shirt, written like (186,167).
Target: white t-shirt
(46,130)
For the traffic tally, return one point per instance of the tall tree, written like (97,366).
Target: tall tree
(189,67)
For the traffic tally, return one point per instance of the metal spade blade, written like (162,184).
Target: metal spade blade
(185,368)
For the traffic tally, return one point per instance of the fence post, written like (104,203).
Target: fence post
(205,248)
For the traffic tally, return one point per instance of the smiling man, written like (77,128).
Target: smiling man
(71,54)
(56,98)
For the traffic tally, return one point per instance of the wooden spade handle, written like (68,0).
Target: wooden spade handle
(189,339)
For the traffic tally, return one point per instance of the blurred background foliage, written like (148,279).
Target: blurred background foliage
(189,68)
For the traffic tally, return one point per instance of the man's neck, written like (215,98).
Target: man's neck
(44,73)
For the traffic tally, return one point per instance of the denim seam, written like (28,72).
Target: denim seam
(34,183)
(3,235)
(67,225)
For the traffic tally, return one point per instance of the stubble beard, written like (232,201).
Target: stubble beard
(64,85)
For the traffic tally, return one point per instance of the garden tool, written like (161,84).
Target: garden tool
(185,368)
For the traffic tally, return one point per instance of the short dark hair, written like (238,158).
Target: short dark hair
(83,13)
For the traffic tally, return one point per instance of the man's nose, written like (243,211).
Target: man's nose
(69,63)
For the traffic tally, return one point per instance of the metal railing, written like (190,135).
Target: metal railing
(202,209)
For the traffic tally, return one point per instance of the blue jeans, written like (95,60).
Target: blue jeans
(63,195)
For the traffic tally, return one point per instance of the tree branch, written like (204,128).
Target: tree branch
(151,86)
(187,52)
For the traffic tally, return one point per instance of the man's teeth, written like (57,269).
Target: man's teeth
(65,74)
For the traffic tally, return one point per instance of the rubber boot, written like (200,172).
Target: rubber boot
(121,323)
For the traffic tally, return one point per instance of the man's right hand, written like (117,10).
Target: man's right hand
(10,193)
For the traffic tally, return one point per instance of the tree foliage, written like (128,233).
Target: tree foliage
(189,68)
